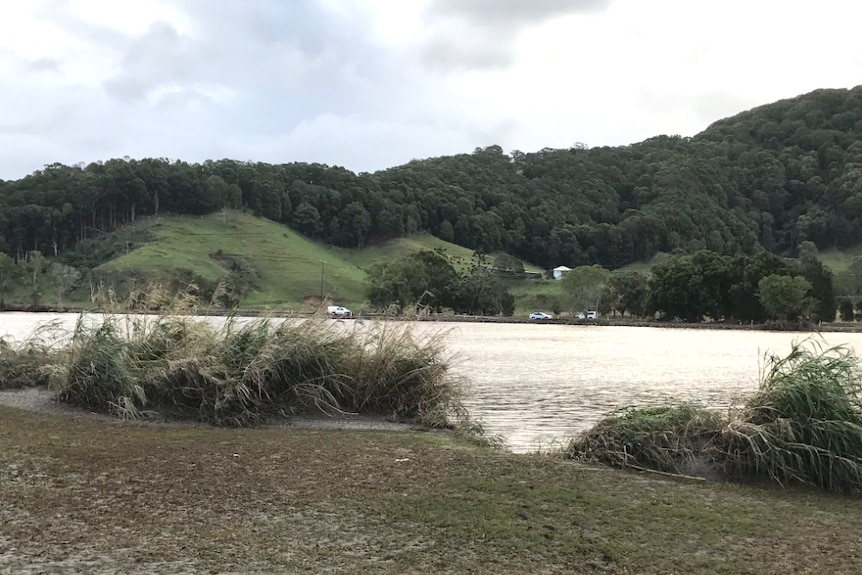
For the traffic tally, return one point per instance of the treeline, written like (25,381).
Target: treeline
(687,287)
(775,176)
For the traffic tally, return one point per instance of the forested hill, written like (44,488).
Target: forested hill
(776,175)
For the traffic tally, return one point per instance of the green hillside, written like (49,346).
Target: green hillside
(286,267)
(400,247)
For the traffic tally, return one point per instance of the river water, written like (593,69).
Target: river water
(537,385)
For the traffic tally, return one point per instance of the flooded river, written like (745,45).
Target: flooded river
(537,385)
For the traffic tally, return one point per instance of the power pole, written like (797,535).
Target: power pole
(322,273)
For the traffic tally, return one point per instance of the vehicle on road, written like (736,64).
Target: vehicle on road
(589,315)
(540,315)
(336,311)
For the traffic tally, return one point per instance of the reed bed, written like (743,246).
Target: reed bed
(670,439)
(23,363)
(248,371)
(802,427)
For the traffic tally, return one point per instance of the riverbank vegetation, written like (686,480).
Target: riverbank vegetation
(89,495)
(803,427)
(243,372)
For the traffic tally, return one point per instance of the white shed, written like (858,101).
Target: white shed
(559,271)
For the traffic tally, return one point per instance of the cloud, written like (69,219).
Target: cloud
(43,65)
(511,13)
(368,84)
(481,34)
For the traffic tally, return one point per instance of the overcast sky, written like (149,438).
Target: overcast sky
(369,84)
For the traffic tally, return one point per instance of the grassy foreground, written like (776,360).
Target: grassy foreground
(84,495)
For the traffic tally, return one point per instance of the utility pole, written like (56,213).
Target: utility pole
(322,273)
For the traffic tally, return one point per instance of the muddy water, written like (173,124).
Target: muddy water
(537,385)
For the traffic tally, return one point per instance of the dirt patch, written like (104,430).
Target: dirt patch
(41,400)
(84,494)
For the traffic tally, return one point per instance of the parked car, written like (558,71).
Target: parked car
(589,315)
(540,315)
(338,311)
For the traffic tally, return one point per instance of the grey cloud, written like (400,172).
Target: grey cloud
(58,11)
(159,57)
(451,51)
(43,65)
(512,13)
(706,107)
(480,34)
(247,80)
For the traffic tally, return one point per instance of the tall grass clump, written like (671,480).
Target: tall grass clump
(20,366)
(804,425)
(396,373)
(23,364)
(670,439)
(247,371)
(97,372)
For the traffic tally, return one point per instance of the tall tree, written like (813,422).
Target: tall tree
(585,285)
(783,296)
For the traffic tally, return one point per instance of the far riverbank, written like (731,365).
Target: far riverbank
(806,327)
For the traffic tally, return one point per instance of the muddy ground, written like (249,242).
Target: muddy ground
(87,494)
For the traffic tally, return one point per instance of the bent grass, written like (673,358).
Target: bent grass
(247,371)
(803,427)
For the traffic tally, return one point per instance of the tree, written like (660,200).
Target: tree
(689,286)
(424,279)
(306,219)
(509,264)
(628,292)
(782,296)
(64,278)
(845,308)
(35,268)
(746,272)
(480,293)
(822,295)
(855,270)
(8,274)
(584,285)
(447,232)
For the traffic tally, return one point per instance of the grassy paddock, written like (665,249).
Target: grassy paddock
(803,427)
(243,372)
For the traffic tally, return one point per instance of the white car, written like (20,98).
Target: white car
(589,315)
(338,311)
(540,315)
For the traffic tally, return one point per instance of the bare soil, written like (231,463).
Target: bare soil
(87,494)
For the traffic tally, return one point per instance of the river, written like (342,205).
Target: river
(536,385)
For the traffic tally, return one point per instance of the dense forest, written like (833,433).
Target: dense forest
(774,176)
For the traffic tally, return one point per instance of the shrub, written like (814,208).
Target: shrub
(805,423)
(669,439)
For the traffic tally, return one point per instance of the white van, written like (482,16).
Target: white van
(589,315)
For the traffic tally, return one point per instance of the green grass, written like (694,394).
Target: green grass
(536,295)
(287,265)
(645,267)
(838,262)
(401,247)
